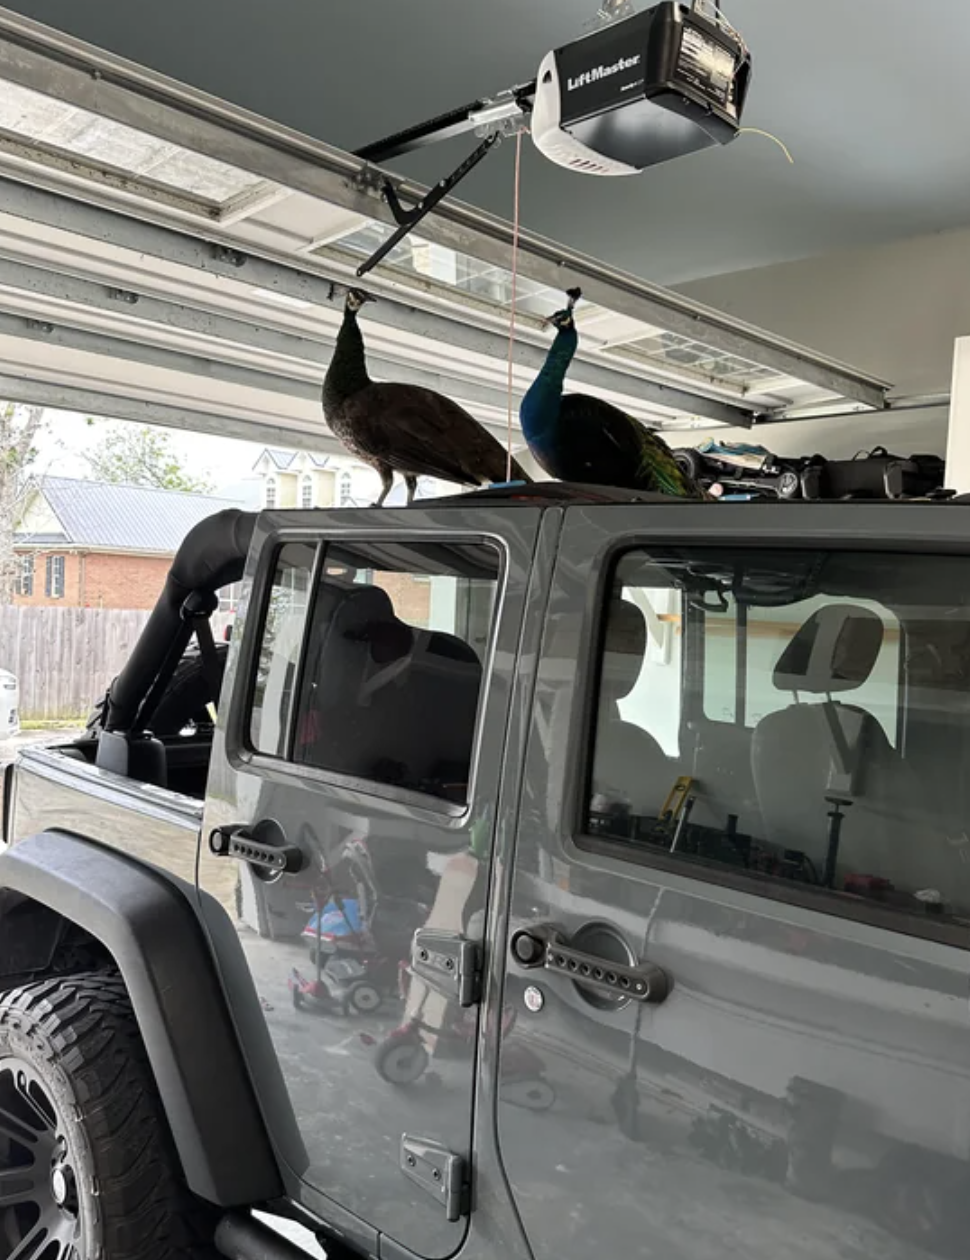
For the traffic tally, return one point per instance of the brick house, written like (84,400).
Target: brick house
(86,544)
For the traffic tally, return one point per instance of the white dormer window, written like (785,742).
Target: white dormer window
(306,492)
(271,492)
(346,490)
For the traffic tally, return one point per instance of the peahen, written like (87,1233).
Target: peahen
(404,428)
(575,437)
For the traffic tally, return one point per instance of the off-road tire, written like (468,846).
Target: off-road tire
(75,1047)
(184,701)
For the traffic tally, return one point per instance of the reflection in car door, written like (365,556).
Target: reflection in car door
(366,735)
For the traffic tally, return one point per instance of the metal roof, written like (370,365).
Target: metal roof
(121,518)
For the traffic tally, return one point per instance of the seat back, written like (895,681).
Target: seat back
(629,766)
(386,701)
(819,751)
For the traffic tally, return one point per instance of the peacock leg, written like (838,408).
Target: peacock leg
(412,484)
(387,483)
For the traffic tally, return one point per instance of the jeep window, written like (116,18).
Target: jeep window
(653,703)
(390,652)
(738,661)
(825,723)
(284,621)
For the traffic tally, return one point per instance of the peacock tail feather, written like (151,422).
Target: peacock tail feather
(657,462)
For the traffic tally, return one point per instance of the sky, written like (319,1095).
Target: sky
(222,461)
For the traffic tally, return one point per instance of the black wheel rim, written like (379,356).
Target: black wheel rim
(39,1207)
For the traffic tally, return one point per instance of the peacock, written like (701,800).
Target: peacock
(575,437)
(404,428)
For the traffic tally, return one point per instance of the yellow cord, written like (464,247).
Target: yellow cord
(756,131)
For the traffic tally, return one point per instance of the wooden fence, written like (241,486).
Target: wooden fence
(64,658)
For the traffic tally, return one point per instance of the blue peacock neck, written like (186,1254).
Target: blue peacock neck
(539,412)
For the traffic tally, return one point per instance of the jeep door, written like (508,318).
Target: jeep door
(364,749)
(738,963)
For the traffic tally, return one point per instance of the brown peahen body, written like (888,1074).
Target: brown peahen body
(404,428)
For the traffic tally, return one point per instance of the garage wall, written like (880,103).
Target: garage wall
(906,433)
(892,310)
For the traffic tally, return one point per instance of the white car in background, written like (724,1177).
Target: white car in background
(9,704)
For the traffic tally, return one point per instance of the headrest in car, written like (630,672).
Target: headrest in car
(624,649)
(835,650)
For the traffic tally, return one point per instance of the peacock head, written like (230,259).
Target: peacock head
(565,320)
(355,300)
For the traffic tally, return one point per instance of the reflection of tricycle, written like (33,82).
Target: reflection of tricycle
(356,964)
(402,1058)
(344,986)
(357,940)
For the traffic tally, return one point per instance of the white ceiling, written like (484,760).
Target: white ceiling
(871,96)
(179,269)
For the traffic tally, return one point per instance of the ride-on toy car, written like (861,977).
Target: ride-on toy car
(740,470)
(743,469)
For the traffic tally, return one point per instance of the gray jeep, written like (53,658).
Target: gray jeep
(568,871)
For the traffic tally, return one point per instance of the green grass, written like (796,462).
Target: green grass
(52,724)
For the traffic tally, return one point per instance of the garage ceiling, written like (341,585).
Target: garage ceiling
(870,95)
(166,257)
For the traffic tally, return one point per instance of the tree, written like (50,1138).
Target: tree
(142,455)
(19,430)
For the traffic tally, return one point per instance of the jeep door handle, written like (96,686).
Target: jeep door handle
(546,946)
(263,846)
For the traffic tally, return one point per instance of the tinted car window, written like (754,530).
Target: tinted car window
(826,714)
(393,641)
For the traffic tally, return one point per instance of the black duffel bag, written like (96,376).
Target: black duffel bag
(873,474)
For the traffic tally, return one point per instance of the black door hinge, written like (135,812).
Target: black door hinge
(450,963)
(439,1171)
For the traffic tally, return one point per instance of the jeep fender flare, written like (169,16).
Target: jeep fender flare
(147,921)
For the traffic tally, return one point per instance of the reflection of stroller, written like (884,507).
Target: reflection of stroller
(402,1058)
(357,962)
